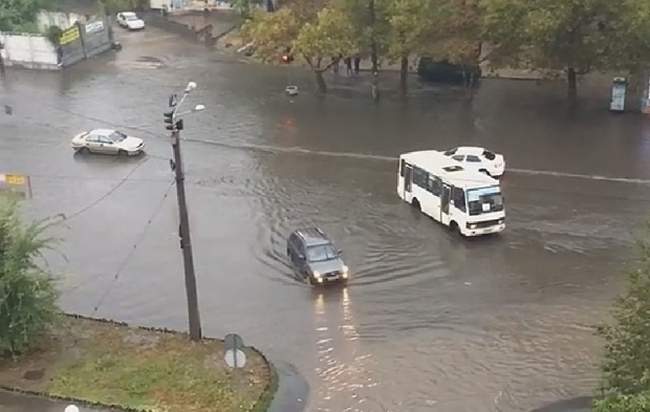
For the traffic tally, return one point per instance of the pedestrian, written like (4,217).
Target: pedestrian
(357,62)
(335,65)
(348,65)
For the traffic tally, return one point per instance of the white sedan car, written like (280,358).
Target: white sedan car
(479,159)
(107,141)
(130,20)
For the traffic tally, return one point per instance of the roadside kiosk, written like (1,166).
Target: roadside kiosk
(619,88)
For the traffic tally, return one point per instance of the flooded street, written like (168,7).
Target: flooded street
(428,321)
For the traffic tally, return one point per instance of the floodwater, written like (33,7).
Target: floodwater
(428,321)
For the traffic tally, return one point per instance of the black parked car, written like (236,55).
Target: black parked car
(446,72)
(315,258)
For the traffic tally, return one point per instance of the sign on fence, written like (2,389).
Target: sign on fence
(16,184)
(69,35)
(94,26)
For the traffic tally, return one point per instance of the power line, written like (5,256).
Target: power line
(133,249)
(104,196)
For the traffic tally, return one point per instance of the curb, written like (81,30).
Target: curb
(261,405)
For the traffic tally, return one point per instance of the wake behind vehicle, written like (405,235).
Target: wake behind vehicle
(129,20)
(467,201)
(479,159)
(107,141)
(315,258)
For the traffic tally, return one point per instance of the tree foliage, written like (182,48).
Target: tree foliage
(331,35)
(626,365)
(322,42)
(576,36)
(272,33)
(18,15)
(27,293)
(317,39)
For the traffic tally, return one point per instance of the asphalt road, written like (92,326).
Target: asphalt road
(428,321)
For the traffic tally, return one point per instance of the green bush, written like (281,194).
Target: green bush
(626,366)
(53,34)
(27,293)
(624,403)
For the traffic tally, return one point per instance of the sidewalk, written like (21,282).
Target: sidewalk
(15,402)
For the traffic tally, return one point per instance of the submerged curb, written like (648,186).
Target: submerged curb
(261,405)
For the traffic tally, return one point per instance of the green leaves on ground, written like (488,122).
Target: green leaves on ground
(27,293)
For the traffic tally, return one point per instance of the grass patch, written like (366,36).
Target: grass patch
(138,369)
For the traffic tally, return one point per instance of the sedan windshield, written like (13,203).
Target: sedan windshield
(132,18)
(484,200)
(117,136)
(321,253)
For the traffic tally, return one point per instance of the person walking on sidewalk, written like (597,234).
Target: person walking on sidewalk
(357,62)
(348,66)
(335,65)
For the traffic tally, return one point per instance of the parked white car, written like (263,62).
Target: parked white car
(130,20)
(107,141)
(479,159)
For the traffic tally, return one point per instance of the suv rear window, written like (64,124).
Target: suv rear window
(489,155)
(472,158)
(450,152)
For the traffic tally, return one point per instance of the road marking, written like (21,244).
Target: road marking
(363,156)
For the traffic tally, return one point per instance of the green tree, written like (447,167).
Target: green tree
(272,33)
(27,293)
(626,365)
(16,15)
(574,36)
(411,24)
(317,39)
(370,20)
(322,41)
(459,36)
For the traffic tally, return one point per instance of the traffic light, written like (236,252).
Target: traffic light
(179,125)
(169,120)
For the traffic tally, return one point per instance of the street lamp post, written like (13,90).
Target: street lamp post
(184,229)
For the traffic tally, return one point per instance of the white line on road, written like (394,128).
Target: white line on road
(299,150)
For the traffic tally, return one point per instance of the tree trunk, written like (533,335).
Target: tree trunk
(572,82)
(320,82)
(374,88)
(403,74)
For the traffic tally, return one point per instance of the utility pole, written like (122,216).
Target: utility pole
(184,229)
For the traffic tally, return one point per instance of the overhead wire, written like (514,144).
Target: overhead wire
(66,218)
(139,240)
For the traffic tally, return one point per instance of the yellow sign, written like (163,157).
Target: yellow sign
(17,180)
(69,35)
(14,184)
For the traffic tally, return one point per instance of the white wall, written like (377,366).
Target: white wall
(29,50)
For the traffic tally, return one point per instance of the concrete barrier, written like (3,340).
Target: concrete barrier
(32,51)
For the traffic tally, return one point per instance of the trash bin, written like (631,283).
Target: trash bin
(619,88)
